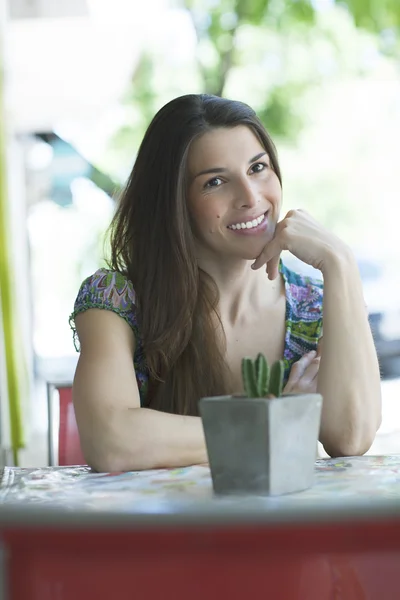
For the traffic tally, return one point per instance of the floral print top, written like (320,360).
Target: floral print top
(110,290)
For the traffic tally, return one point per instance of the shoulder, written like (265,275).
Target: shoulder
(107,287)
(107,290)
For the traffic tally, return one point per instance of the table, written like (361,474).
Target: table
(70,533)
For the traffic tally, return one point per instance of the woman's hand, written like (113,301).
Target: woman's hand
(303,376)
(305,238)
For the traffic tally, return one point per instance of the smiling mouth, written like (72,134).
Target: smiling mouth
(248,224)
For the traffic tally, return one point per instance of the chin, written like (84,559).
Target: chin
(253,251)
(250,255)
(246,255)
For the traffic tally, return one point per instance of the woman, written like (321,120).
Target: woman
(180,306)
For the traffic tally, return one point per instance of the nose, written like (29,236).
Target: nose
(245,195)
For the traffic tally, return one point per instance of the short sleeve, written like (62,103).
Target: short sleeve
(107,290)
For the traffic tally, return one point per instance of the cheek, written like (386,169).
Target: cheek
(207,216)
(277,190)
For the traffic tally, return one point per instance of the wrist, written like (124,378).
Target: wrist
(339,261)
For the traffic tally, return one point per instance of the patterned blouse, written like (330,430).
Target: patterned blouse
(110,290)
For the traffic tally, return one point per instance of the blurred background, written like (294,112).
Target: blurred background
(81,79)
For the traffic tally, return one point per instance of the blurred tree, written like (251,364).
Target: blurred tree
(380,16)
(140,104)
(217,25)
(258,43)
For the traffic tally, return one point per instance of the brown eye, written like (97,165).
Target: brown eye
(258,167)
(215,182)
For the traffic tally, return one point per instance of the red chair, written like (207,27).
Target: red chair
(69,447)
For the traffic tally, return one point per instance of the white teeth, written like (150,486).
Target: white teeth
(248,224)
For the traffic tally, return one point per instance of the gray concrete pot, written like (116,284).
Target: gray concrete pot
(261,446)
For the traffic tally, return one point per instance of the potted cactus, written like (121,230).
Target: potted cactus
(262,442)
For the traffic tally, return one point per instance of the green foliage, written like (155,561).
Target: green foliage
(219,23)
(378,16)
(375,15)
(140,102)
(278,113)
(259,380)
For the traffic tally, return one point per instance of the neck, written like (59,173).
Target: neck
(242,291)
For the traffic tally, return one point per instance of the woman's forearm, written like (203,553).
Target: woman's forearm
(141,438)
(349,378)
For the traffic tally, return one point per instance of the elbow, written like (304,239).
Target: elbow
(111,443)
(354,432)
(105,458)
(353,444)
(106,462)
(340,450)
(108,453)
(98,456)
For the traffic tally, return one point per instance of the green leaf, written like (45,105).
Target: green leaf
(375,15)
(249,378)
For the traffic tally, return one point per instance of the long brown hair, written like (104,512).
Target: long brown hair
(153,244)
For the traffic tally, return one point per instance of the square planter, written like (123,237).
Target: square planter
(261,446)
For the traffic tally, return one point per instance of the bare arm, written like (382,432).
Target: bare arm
(116,434)
(349,378)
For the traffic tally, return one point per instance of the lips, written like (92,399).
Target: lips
(248,228)
(248,223)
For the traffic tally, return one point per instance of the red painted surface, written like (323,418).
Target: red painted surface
(69,447)
(340,561)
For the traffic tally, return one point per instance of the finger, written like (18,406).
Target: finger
(301,387)
(311,371)
(272,249)
(273,267)
(298,368)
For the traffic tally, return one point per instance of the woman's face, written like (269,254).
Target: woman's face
(234,194)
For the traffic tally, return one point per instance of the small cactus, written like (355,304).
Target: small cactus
(261,381)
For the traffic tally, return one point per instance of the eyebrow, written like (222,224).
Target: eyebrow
(216,170)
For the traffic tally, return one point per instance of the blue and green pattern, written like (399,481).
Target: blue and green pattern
(304,299)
